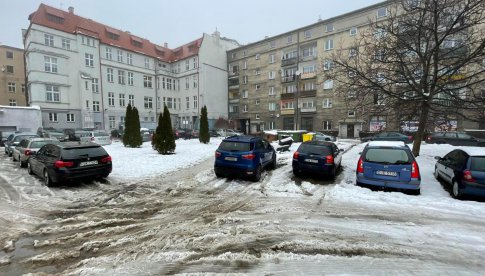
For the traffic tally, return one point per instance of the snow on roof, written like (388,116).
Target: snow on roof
(386,144)
(271,132)
(474,151)
(21,107)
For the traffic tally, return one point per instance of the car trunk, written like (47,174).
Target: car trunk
(233,152)
(387,164)
(84,158)
(312,156)
(478,169)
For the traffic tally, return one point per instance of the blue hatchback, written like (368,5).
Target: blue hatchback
(388,165)
(244,156)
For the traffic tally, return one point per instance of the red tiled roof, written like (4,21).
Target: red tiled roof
(74,24)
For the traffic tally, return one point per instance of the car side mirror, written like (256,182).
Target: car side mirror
(437,158)
(341,150)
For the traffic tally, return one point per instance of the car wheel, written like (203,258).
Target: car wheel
(333,173)
(456,191)
(29,168)
(296,173)
(9,154)
(272,165)
(13,158)
(257,174)
(47,179)
(436,174)
(415,192)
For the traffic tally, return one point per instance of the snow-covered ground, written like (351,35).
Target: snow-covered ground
(170,215)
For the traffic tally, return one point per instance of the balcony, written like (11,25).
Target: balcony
(308,93)
(233,74)
(308,110)
(287,79)
(309,75)
(308,58)
(287,96)
(233,83)
(234,100)
(287,111)
(289,61)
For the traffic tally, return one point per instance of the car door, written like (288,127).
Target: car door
(51,156)
(37,159)
(449,163)
(451,138)
(268,149)
(260,151)
(466,140)
(337,155)
(19,150)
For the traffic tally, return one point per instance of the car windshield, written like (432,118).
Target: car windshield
(478,163)
(314,149)
(74,153)
(235,146)
(99,134)
(38,144)
(387,156)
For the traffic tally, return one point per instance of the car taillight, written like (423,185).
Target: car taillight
(249,156)
(296,155)
(360,166)
(410,137)
(429,138)
(329,159)
(415,170)
(467,175)
(106,159)
(27,152)
(218,154)
(61,164)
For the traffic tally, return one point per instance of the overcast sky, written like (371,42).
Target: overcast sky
(180,22)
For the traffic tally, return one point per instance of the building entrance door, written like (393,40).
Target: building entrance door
(350,131)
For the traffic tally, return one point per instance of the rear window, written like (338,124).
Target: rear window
(314,149)
(478,164)
(74,153)
(387,156)
(38,144)
(235,146)
(22,137)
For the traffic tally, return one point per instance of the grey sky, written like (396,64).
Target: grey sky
(179,22)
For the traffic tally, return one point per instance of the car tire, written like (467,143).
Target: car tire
(436,174)
(415,192)
(272,165)
(13,158)
(29,169)
(257,174)
(333,173)
(296,173)
(47,179)
(9,154)
(455,190)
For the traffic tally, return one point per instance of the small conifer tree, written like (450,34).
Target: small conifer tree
(164,138)
(204,136)
(137,139)
(127,130)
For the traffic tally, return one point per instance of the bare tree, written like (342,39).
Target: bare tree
(423,60)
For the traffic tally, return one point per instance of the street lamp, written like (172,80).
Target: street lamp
(297,121)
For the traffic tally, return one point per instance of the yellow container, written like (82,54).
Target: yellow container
(307,137)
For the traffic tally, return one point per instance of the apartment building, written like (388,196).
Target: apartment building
(12,76)
(83,74)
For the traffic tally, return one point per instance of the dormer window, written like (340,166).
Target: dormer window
(55,19)
(112,33)
(113,36)
(137,42)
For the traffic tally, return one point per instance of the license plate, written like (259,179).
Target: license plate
(311,161)
(231,158)
(386,173)
(88,163)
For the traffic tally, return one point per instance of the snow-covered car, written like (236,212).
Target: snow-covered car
(29,147)
(228,132)
(99,137)
(318,136)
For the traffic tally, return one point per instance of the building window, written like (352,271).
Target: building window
(12,87)
(110,74)
(70,117)
(52,93)
(111,98)
(9,54)
(89,60)
(120,56)
(272,106)
(50,64)
(129,58)
(328,84)
(87,104)
(10,69)
(272,44)
(53,117)
(130,78)
(109,53)
(257,71)
(352,52)
(244,94)
(380,33)
(245,79)
(327,125)
(257,117)
(257,87)
(327,65)
(23,88)
(288,105)
(245,65)
(147,81)
(378,99)
(195,62)
(122,100)
(327,103)
(112,122)
(272,58)
(49,40)
(245,108)
(148,102)
(351,113)
(272,75)
(131,100)
(95,105)
(256,102)
(351,94)
(289,39)
(147,63)
(66,44)
(353,31)
(308,34)
(309,69)
(329,27)
(12,102)
(329,44)
(307,104)
(195,102)
(187,83)
(271,91)
(121,77)
(382,12)
(95,85)
(257,56)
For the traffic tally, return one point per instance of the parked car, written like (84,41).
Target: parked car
(464,170)
(80,133)
(56,135)
(191,133)
(178,133)
(28,147)
(69,161)
(146,134)
(317,157)
(228,132)
(99,137)
(386,164)
(213,133)
(389,136)
(245,156)
(454,138)
(318,136)
(4,136)
(14,139)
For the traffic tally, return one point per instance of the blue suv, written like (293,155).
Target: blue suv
(388,165)
(244,156)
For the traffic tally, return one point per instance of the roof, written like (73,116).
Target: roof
(78,145)
(474,151)
(241,138)
(71,23)
(386,144)
(318,143)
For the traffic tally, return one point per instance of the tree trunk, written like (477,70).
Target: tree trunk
(423,119)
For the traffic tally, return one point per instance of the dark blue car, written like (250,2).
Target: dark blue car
(464,170)
(317,157)
(244,156)
(386,165)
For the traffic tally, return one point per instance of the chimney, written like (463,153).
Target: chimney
(165,45)
(71,10)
